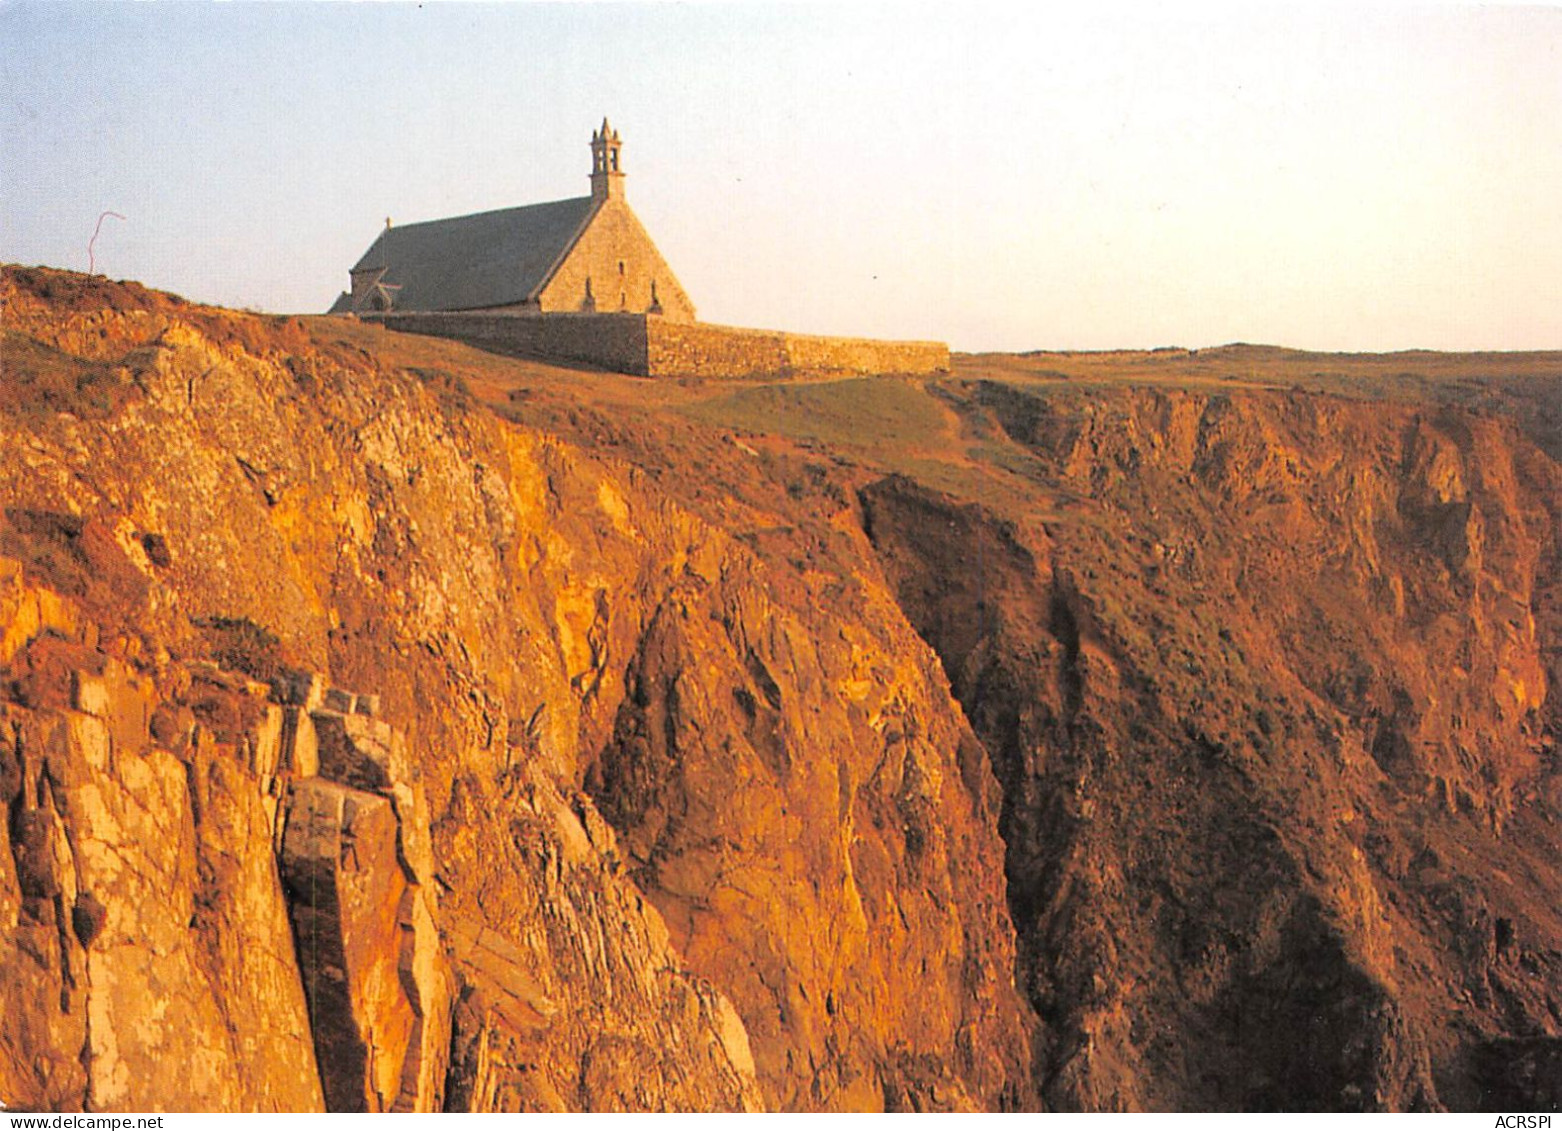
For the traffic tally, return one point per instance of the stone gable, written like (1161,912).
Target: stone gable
(625,271)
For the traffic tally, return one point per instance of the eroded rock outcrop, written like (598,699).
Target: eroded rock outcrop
(358,866)
(149,960)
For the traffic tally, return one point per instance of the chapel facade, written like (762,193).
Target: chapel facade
(588,254)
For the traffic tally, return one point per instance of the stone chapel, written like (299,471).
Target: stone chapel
(587,254)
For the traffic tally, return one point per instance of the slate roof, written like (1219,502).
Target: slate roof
(485,259)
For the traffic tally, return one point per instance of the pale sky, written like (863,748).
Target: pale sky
(999,177)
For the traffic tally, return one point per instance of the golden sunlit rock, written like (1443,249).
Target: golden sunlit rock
(390,726)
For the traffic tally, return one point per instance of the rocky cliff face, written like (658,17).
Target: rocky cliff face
(610,817)
(1270,709)
(387,726)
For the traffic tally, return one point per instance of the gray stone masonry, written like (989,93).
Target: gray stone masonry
(648,346)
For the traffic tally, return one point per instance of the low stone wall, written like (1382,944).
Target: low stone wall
(649,346)
(866,355)
(698,349)
(602,341)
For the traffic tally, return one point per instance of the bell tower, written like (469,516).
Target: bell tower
(607,178)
